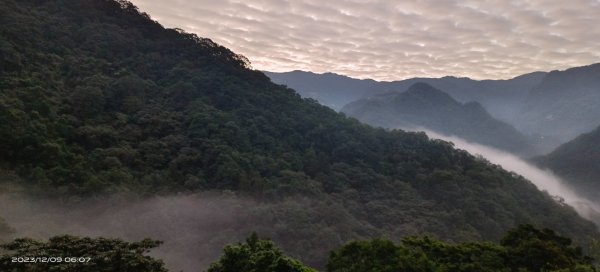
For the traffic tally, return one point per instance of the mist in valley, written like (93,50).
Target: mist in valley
(194,228)
(543,179)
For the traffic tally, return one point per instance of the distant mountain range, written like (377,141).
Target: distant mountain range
(564,105)
(578,161)
(423,106)
(335,90)
(329,89)
(552,107)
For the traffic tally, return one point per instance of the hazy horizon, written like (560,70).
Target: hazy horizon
(401,79)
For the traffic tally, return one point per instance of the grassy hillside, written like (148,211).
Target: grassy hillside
(98,98)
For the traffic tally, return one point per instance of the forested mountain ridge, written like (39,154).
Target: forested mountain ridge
(552,107)
(98,98)
(502,98)
(423,106)
(578,161)
(564,104)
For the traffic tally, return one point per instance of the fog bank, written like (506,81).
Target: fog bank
(194,228)
(544,179)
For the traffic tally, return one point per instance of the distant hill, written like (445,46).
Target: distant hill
(552,108)
(329,89)
(564,105)
(578,161)
(501,98)
(425,106)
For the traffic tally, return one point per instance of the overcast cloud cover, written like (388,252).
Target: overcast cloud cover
(389,40)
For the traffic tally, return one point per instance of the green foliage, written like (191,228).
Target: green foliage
(522,249)
(466,257)
(79,254)
(594,250)
(256,255)
(378,255)
(98,98)
(541,250)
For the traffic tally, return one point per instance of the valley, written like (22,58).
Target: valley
(148,148)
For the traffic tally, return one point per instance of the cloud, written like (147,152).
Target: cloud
(389,40)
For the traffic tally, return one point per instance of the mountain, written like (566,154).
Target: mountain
(329,89)
(99,99)
(502,98)
(423,106)
(578,161)
(551,107)
(563,105)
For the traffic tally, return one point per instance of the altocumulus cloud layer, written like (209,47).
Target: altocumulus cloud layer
(390,40)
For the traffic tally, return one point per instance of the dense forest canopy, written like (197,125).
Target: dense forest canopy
(98,98)
(523,249)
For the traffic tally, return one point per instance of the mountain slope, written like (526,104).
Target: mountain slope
(329,89)
(564,104)
(578,161)
(554,107)
(425,106)
(502,98)
(98,98)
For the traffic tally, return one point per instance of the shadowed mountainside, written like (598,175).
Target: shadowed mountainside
(423,106)
(578,161)
(564,105)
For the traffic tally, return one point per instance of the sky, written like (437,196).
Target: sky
(393,40)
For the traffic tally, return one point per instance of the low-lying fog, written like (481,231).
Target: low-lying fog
(196,227)
(544,179)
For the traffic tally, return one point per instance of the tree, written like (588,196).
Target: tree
(378,256)
(256,255)
(71,253)
(541,250)
(524,248)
